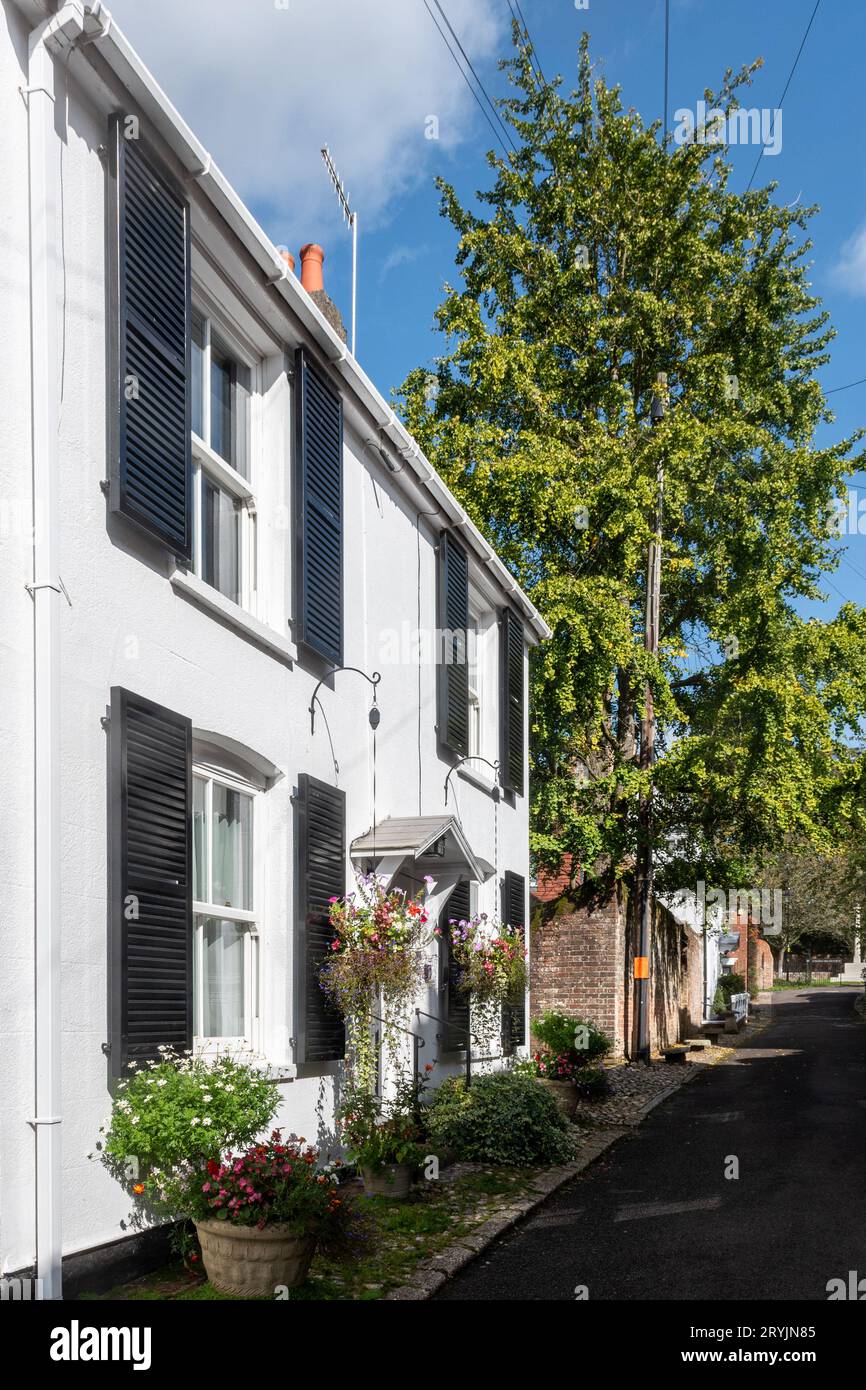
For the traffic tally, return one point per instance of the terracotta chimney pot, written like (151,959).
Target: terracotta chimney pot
(312,257)
(289,258)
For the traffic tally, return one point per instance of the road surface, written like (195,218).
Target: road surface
(656,1217)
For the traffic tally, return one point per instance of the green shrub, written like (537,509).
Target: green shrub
(727,985)
(566,1035)
(376,1133)
(593,1084)
(502,1118)
(170,1117)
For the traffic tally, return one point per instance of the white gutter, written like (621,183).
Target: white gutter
(152,102)
(52,38)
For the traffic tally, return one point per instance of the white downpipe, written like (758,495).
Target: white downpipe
(43,155)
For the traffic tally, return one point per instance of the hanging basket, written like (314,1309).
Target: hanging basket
(490,958)
(377,945)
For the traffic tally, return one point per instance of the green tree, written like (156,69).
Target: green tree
(820,895)
(600,256)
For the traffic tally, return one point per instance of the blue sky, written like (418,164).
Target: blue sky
(265,82)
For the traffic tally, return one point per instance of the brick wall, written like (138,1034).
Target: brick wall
(676,981)
(552,886)
(576,964)
(764,965)
(582,961)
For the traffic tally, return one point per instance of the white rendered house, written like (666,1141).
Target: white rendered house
(207,507)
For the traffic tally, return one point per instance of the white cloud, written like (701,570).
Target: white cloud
(400,255)
(850,270)
(264,87)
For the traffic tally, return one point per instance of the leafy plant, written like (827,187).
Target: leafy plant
(377,1133)
(567,1036)
(727,985)
(502,1118)
(273,1182)
(171,1116)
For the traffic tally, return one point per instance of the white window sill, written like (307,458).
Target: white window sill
(183,582)
(476,779)
(280,1071)
(274,1071)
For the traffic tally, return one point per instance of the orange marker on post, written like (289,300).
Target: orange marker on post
(641,967)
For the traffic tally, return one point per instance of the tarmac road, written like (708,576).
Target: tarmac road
(656,1217)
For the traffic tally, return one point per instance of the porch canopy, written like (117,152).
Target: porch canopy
(435,845)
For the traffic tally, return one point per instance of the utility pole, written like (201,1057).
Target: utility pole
(647,751)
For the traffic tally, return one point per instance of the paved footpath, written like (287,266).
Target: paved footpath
(656,1218)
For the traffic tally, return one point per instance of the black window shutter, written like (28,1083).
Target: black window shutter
(318,512)
(453,671)
(454,1002)
(150,461)
(514,915)
(321,875)
(512,702)
(150,936)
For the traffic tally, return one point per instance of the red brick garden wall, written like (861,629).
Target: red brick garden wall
(576,964)
(763,961)
(582,962)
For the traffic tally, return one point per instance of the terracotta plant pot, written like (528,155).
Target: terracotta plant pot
(564,1093)
(393,1180)
(250,1263)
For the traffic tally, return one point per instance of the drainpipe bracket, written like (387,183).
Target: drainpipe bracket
(59,588)
(27,92)
(45,1120)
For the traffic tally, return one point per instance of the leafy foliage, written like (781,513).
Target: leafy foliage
(567,1036)
(727,985)
(600,256)
(179,1112)
(820,893)
(377,1133)
(502,1118)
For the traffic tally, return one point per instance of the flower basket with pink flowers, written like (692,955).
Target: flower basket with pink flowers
(260,1214)
(376,966)
(490,957)
(377,944)
(491,967)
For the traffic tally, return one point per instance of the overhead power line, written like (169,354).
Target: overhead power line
(482,108)
(847,387)
(492,104)
(781,100)
(667,60)
(533,51)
